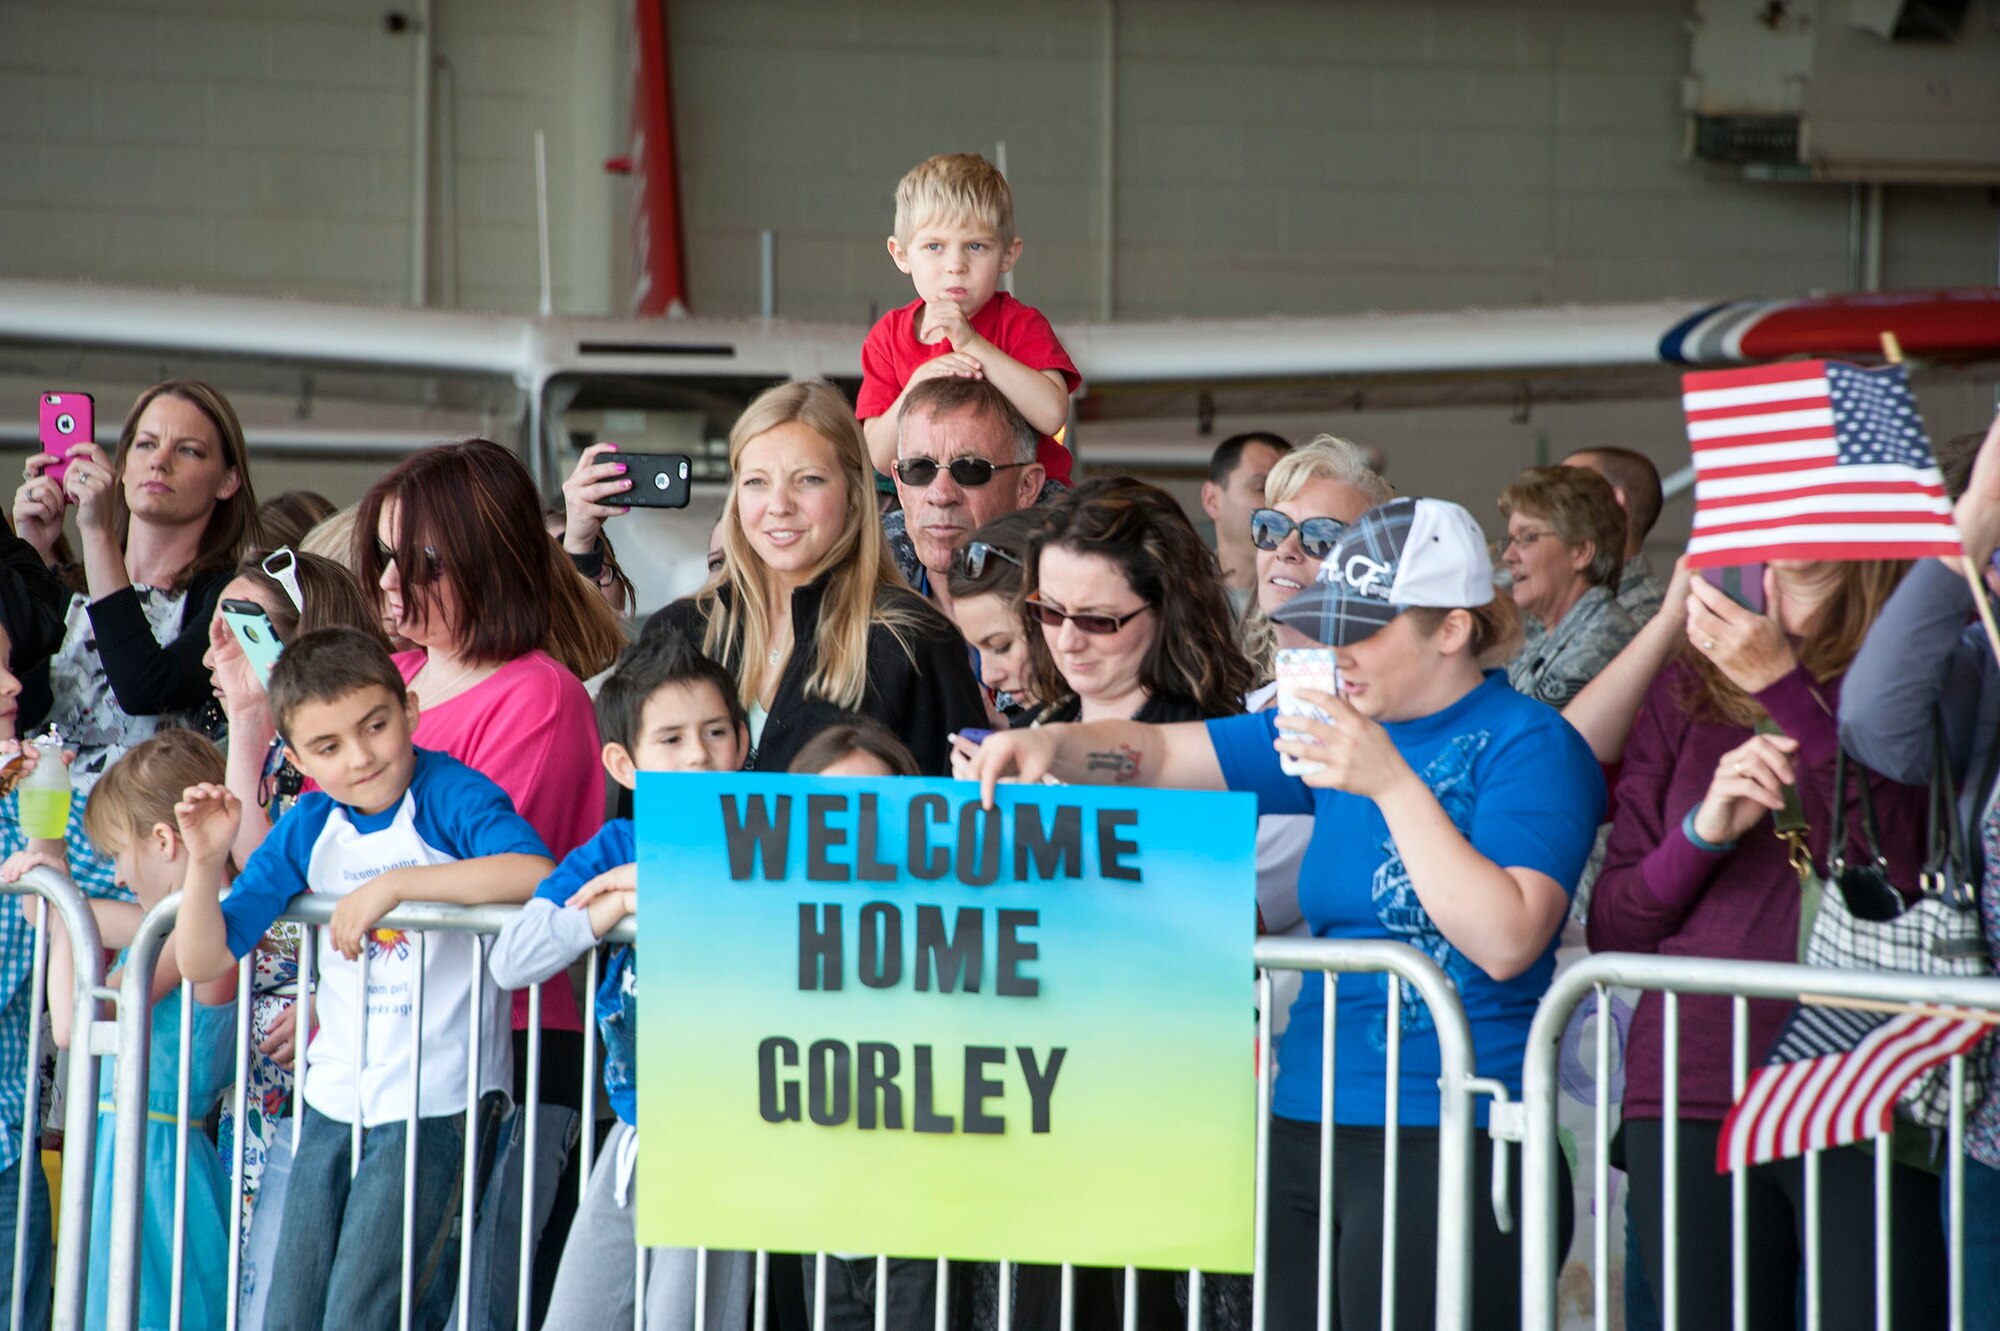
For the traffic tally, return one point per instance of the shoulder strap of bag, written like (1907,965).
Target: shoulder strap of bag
(1956,880)
(1789,822)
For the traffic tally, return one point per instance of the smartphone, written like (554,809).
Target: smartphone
(252,627)
(659,480)
(1741,583)
(69,421)
(1300,669)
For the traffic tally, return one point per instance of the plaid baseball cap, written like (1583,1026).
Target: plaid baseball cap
(1407,552)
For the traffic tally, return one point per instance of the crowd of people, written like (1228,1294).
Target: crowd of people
(463,703)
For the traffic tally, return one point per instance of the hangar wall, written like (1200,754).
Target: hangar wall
(1287,156)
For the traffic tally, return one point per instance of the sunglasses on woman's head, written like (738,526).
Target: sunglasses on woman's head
(973,555)
(1093,624)
(433,565)
(968,472)
(1269,528)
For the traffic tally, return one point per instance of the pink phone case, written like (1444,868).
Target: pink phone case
(68,422)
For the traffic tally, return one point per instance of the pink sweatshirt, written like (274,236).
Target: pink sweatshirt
(531,729)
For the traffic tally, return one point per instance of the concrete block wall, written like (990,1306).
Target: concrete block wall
(1269,156)
(267,148)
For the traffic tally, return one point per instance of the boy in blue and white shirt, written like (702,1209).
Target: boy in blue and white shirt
(664,708)
(389,823)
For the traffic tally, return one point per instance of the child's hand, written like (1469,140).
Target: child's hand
(208,816)
(624,878)
(358,911)
(945,321)
(951,365)
(19,863)
(279,1045)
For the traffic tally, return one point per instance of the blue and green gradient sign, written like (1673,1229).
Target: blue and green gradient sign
(880,1018)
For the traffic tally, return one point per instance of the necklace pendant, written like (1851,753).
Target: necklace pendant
(774,656)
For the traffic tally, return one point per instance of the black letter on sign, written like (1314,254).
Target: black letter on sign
(1041,1083)
(1110,847)
(978,855)
(958,963)
(924,860)
(828,1077)
(880,1063)
(770,1053)
(1057,855)
(1011,951)
(880,963)
(819,947)
(868,865)
(979,1088)
(924,1119)
(822,837)
(753,831)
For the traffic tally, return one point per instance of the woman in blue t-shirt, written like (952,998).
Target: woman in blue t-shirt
(1450,813)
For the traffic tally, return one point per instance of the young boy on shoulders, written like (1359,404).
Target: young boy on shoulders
(664,708)
(389,823)
(955,238)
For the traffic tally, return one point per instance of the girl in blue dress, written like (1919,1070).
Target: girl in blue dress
(131,818)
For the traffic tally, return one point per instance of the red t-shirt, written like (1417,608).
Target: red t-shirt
(892,352)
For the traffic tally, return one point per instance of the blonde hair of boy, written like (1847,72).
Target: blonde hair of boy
(955,187)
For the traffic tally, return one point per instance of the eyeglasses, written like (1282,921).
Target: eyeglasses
(968,472)
(1524,540)
(433,565)
(283,567)
(973,555)
(1095,625)
(1269,528)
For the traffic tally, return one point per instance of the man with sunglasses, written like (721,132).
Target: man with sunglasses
(964,456)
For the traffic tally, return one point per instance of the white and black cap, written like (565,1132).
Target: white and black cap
(1402,554)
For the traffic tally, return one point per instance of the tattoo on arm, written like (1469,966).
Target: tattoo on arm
(1122,762)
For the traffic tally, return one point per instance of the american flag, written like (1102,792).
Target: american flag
(1812,460)
(1833,1078)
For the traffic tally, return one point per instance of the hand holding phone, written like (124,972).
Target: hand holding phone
(1301,669)
(659,480)
(255,635)
(68,424)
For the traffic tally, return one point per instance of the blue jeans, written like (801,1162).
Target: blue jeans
(340,1248)
(1982,1243)
(37,1262)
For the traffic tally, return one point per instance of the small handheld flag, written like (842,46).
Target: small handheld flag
(1833,1079)
(1812,460)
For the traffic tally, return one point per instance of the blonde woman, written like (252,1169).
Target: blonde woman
(808,613)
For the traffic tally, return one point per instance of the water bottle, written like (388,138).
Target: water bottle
(45,794)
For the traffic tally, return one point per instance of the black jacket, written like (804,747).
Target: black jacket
(921,692)
(146,676)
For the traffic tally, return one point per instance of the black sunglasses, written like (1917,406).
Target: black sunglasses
(968,472)
(1095,625)
(973,556)
(433,565)
(1269,528)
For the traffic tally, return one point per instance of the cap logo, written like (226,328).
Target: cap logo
(1367,576)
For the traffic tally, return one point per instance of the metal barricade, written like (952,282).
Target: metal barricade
(1404,966)
(88,1041)
(1740,981)
(133,1044)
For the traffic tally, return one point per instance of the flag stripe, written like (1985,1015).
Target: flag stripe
(1852,478)
(1836,507)
(1941,533)
(1819,450)
(1704,380)
(1810,418)
(1745,396)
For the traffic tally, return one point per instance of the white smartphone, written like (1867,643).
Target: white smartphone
(1301,669)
